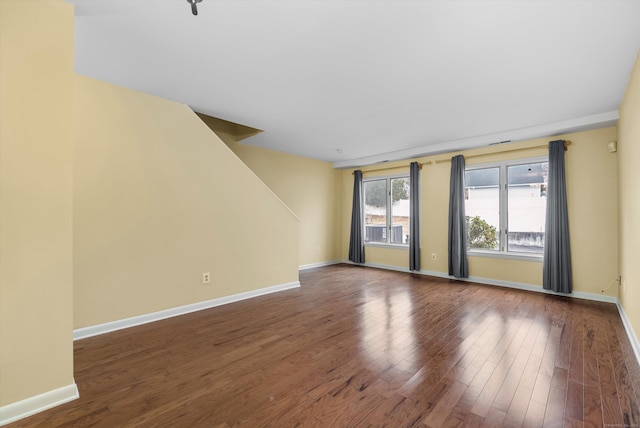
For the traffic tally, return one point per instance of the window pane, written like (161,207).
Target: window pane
(527,196)
(482,208)
(400,210)
(375,211)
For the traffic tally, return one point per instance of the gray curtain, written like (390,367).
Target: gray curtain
(458,265)
(414,216)
(356,242)
(556,267)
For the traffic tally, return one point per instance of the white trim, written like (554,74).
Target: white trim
(319,264)
(386,245)
(379,266)
(585,123)
(499,283)
(633,338)
(495,254)
(38,403)
(539,289)
(84,332)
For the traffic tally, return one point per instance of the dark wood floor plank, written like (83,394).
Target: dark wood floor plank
(590,356)
(626,395)
(592,407)
(363,347)
(576,361)
(445,405)
(392,412)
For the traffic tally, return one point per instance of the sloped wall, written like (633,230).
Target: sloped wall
(159,199)
(311,188)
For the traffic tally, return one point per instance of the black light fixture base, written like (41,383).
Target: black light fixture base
(194,8)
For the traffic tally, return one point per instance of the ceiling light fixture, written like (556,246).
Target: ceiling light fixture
(193,3)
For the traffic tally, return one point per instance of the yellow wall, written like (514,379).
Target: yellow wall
(629,200)
(158,200)
(311,188)
(592,189)
(36,95)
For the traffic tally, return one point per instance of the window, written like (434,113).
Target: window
(505,205)
(386,210)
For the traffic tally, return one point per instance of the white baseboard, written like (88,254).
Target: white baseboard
(319,264)
(39,403)
(84,332)
(500,283)
(633,338)
(539,289)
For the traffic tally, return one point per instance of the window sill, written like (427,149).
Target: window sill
(384,245)
(510,256)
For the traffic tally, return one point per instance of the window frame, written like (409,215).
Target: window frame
(389,202)
(503,186)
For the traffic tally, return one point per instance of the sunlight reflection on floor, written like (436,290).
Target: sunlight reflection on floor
(388,332)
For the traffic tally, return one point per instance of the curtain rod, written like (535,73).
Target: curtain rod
(566,143)
(394,167)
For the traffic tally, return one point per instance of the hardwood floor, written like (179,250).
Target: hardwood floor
(363,347)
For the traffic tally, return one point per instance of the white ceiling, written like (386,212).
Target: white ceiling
(356,82)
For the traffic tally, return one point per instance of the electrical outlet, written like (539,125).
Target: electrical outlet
(206,277)
(433,256)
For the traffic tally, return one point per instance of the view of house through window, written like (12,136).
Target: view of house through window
(386,211)
(505,206)
(482,208)
(527,196)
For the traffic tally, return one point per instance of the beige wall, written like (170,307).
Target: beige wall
(36,95)
(592,189)
(155,202)
(158,200)
(629,200)
(311,188)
